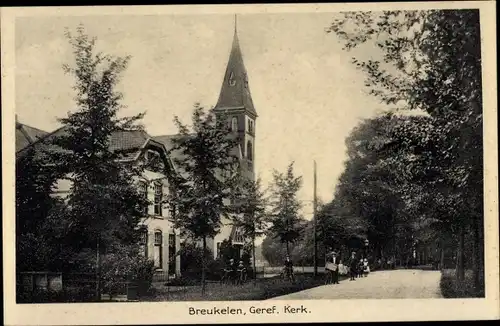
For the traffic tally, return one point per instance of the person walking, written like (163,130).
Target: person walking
(353,266)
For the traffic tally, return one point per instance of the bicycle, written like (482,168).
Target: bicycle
(242,276)
(287,274)
(227,277)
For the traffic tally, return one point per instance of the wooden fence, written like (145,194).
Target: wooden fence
(40,287)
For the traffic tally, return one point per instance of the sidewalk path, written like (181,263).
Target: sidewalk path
(395,284)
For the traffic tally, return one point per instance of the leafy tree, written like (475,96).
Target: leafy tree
(191,255)
(227,251)
(207,168)
(336,226)
(35,181)
(431,61)
(250,211)
(286,223)
(274,251)
(104,206)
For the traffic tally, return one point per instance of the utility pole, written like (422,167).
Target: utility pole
(315,203)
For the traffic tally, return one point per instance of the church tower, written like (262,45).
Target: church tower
(235,104)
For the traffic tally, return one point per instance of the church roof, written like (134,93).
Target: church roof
(235,92)
(169,142)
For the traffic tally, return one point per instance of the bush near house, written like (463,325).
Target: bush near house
(119,270)
(452,288)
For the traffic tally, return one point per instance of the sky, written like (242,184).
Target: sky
(307,94)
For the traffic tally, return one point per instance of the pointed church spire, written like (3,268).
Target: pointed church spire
(235,24)
(235,92)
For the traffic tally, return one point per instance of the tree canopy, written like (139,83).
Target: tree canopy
(430,61)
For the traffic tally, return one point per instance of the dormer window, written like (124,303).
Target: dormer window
(232,81)
(153,160)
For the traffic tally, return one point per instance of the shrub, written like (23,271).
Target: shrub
(452,288)
(191,256)
(124,266)
(142,274)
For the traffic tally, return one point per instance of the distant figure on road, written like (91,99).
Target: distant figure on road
(360,268)
(343,270)
(389,263)
(353,266)
(366,268)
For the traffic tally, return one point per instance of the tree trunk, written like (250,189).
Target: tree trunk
(98,271)
(461,256)
(441,262)
(253,261)
(287,249)
(203,267)
(478,260)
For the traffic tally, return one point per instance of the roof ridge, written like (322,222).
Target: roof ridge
(41,138)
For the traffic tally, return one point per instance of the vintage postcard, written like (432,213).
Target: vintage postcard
(250,163)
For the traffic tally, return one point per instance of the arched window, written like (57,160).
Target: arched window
(250,126)
(234,124)
(158,249)
(232,81)
(249,151)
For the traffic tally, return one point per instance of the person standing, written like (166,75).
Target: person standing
(360,268)
(289,268)
(335,271)
(366,268)
(353,266)
(233,271)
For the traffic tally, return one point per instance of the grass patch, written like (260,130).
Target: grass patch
(263,289)
(451,288)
